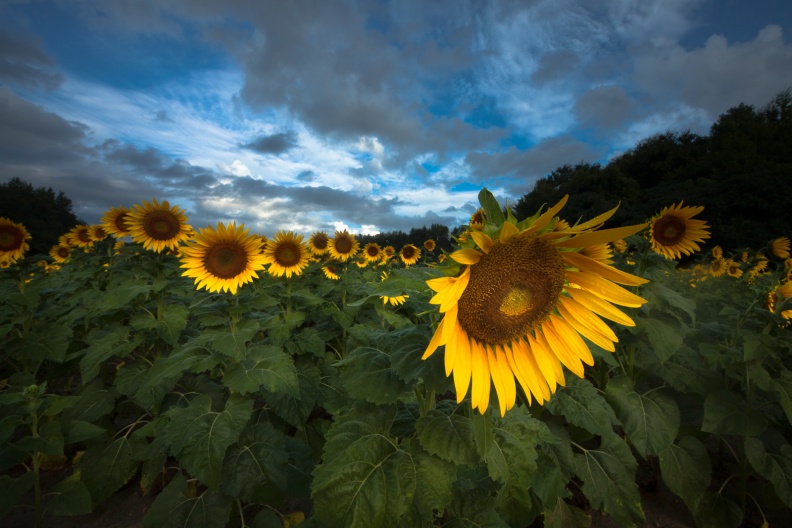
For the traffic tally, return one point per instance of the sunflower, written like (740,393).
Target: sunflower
(114,220)
(222,259)
(717,252)
(718,267)
(372,252)
(733,269)
(80,236)
(409,254)
(319,243)
(477,219)
(331,271)
(158,226)
(263,241)
(13,238)
(394,301)
(600,252)
(97,232)
(286,254)
(619,246)
(60,252)
(780,247)
(344,246)
(521,303)
(429,245)
(673,232)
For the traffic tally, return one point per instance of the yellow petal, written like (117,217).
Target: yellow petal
(545,218)
(561,350)
(604,288)
(437,340)
(482,240)
(508,230)
(462,365)
(466,256)
(601,236)
(441,283)
(584,263)
(587,324)
(480,391)
(596,221)
(600,306)
(572,339)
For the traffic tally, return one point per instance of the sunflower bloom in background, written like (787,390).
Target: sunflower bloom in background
(13,239)
(429,245)
(331,272)
(222,259)
(114,220)
(319,243)
(780,247)
(523,299)
(80,236)
(394,301)
(97,232)
(286,254)
(372,252)
(619,246)
(718,267)
(674,232)
(60,253)
(477,219)
(409,254)
(158,226)
(344,246)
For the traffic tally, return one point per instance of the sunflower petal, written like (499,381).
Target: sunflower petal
(601,236)
(584,263)
(466,256)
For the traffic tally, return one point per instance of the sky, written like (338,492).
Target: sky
(367,115)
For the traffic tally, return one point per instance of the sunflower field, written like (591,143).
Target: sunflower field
(545,370)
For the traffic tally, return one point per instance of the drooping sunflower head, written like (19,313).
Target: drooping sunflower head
(263,241)
(60,253)
(619,246)
(372,252)
(409,254)
(388,252)
(717,252)
(517,299)
(157,226)
(319,243)
(733,269)
(394,301)
(97,232)
(331,271)
(222,258)
(286,254)
(80,236)
(13,240)
(114,221)
(674,232)
(780,247)
(477,219)
(343,246)
(429,245)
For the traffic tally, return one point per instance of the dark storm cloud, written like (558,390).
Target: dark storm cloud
(604,107)
(273,144)
(150,163)
(24,63)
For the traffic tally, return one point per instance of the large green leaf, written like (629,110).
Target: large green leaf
(176,507)
(265,366)
(664,336)
(449,437)
(104,344)
(70,497)
(783,389)
(564,515)
(92,403)
(46,342)
(406,356)
(367,374)
(608,476)
(491,207)
(581,404)
(686,469)
(106,469)
(147,386)
(717,511)
(650,420)
(121,294)
(234,344)
(12,490)
(775,467)
(726,412)
(433,482)
(199,436)
(366,478)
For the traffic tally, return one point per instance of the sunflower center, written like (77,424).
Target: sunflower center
(320,241)
(372,251)
(63,252)
(10,238)
(287,254)
(226,260)
(669,230)
(83,235)
(161,225)
(408,252)
(511,290)
(343,245)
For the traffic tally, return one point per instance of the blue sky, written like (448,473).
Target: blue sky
(367,115)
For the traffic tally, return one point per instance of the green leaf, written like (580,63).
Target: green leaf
(176,507)
(199,437)
(265,366)
(581,404)
(665,338)
(777,468)
(651,420)
(366,478)
(783,388)
(433,482)
(173,322)
(608,476)
(254,468)
(564,515)
(233,344)
(449,437)
(716,511)
(147,386)
(104,344)
(406,360)
(686,469)
(92,403)
(7,427)
(71,498)
(491,207)
(296,410)
(122,294)
(367,374)
(80,431)
(47,342)
(728,413)
(13,489)
(105,470)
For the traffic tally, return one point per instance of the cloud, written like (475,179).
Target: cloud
(24,63)
(604,108)
(273,144)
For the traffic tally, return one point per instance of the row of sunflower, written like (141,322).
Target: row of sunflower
(273,395)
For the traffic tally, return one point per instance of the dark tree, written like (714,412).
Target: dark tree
(45,214)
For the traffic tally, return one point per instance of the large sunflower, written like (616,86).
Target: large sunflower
(13,238)
(286,254)
(114,220)
(222,259)
(372,252)
(343,246)
(409,254)
(158,226)
(780,247)
(523,299)
(319,243)
(674,232)
(80,236)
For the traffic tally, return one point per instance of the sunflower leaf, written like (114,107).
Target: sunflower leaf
(448,436)
(686,470)
(433,484)
(491,207)
(104,344)
(651,420)
(176,507)
(777,468)
(728,413)
(581,404)
(265,366)
(108,468)
(367,373)
(13,489)
(565,515)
